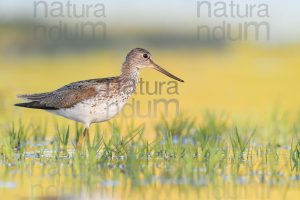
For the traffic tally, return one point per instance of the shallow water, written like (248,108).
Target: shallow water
(47,173)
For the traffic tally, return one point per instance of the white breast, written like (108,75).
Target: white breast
(92,110)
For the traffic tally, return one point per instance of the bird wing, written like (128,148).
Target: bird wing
(64,97)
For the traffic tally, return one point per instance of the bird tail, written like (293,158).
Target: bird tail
(35,105)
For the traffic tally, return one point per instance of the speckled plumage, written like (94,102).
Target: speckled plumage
(95,100)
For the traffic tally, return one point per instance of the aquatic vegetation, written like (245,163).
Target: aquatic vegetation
(187,154)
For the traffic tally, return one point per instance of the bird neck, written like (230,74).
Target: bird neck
(129,75)
(129,72)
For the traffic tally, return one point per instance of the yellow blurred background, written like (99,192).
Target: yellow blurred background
(247,80)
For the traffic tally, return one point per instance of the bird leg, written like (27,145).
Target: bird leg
(81,138)
(86,134)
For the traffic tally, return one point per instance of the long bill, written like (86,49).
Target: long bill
(160,69)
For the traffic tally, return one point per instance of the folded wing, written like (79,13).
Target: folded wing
(64,97)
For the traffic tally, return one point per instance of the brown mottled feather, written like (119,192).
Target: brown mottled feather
(68,95)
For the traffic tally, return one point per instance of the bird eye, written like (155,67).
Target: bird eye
(145,55)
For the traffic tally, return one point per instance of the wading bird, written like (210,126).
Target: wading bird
(95,100)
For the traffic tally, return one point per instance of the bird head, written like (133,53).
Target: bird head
(141,58)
